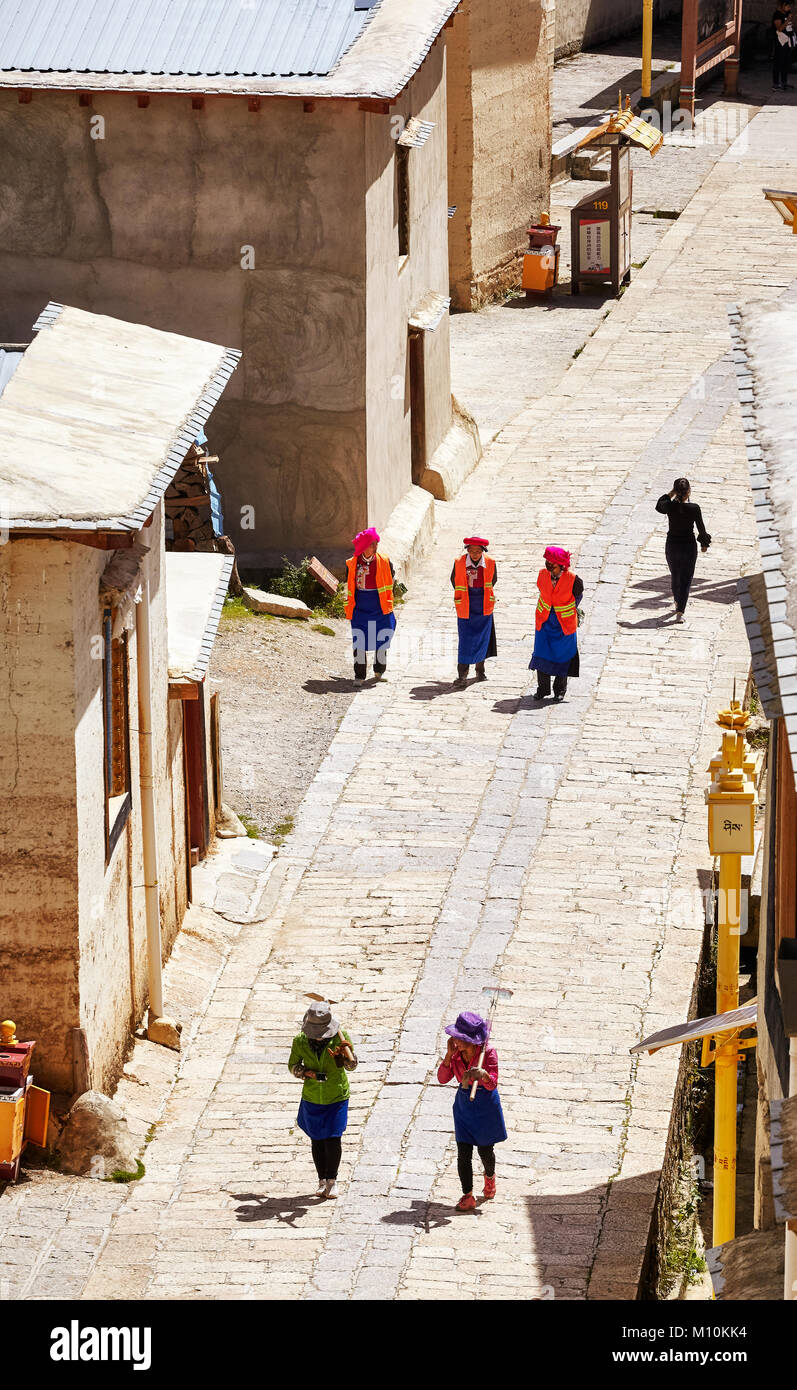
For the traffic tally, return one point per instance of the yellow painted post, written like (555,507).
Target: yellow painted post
(731,802)
(647,45)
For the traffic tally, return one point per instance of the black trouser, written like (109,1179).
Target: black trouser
(681,560)
(326,1157)
(380,664)
(781,62)
(465,1164)
(544,684)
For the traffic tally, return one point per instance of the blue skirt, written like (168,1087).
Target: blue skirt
(479,1121)
(323,1121)
(476,632)
(555,652)
(371,629)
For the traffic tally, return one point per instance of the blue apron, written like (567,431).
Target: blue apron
(479,1121)
(323,1121)
(475,633)
(371,629)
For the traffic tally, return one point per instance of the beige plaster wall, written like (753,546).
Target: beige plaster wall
(581,23)
(112,921)
(38,818)
(152,222)
(395,287)
(499,81)
(73,929)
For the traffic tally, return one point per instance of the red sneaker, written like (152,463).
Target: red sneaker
(467,1203)
(489,1188)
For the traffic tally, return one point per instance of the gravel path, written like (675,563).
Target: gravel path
(284,689)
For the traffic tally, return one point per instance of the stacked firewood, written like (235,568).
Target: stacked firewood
(188,503)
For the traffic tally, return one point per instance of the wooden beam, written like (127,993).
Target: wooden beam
(143,100)
(254,103)
(197,103)
(184,690)
(25,96)
(98,540)
(84,99)
(381,108)
(308,106)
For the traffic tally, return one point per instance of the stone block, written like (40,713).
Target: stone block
(277,604)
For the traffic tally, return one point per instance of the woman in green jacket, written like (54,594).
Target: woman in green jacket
(321,1056)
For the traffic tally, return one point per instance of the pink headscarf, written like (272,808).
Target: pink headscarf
(557,556)
(365,538)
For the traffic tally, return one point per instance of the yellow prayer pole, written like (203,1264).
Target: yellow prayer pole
(647,45)
(731,812)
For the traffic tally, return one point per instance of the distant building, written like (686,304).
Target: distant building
(499,73)
(96,417)
(271,176)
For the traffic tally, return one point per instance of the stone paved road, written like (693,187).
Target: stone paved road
(454,839)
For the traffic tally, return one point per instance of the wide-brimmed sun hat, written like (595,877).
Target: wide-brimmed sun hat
(318,1023)
(469,1028)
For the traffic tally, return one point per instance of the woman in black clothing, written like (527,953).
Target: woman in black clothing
(681,547)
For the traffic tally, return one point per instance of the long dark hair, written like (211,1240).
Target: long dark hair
(681,489)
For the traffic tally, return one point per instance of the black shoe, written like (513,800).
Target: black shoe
(538,695)
(481,674)
(557,699)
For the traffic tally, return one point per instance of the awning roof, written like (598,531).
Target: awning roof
(749,1268)
(783,1151)
(700,1028)
(97,418)
(374,52)
(764,338)
(195,587)
(429,314)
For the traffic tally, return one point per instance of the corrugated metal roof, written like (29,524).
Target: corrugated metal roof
(98,418)
(195,587)
(764,341)
(262,38)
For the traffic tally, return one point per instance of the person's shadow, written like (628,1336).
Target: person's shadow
(436,688)
(286,1210)
(336,685)
(424,1216)
(519,702)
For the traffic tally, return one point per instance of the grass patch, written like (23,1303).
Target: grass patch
(236,609)
(321,627)
(282,830)
(252,827)
(119,1174)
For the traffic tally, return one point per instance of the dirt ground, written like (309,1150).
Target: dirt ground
(284,689)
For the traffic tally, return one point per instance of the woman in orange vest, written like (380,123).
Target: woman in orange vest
(473,577)
(369,603)
(556,621)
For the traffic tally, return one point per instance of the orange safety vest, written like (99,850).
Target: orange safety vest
(384,584)
(565,609)
(461,594)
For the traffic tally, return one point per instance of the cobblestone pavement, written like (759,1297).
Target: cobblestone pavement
(512,352)
(454,839)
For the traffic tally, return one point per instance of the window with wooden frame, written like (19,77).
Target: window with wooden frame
(116,729)
(403,199)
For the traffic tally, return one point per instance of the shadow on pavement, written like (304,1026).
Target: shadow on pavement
(519,702)
(435,688)
(286,1210)
(426,1216)
(336,685)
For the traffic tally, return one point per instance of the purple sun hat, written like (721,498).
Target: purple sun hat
(469,1028)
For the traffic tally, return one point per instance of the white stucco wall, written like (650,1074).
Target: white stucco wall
(73,929)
